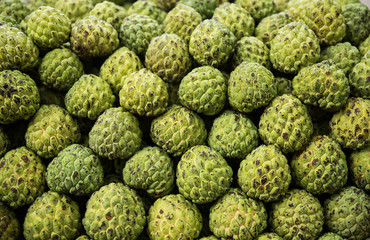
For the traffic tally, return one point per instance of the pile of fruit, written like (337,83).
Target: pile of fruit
(184,119)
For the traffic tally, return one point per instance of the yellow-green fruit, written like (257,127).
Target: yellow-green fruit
(359,78)
(116,134)
(166,5)
(144,93)
(209,238)
(250,87)
(269,236)
(4,142)
(236,18)
(205,8)
(10,228)
(121,63)
(350,125)
(173,217)
(281,5)
(168,57)
(151,170)
(233,135)
(347,213)
(149,8)
(17,50)
(364,46)
(74,9)
(294,46)
(60,69)
(298,215)
(345,2)
(321,167)
(177,130)
(17,9)
(359,166)
(330,236)
(83,237)
(203,90)
(22,177)
(47,27)
(286,122)
(182,20)
(7,20)
(264,174)
(211,43)
(109,12)
(259,9)
(210,176)
(93,37)
(35,4)
(114,212)
(52,215)
(236,216)
(89,97)
(19,96)
(51,130)
(357,19)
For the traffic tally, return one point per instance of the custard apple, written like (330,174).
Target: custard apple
(359,166)
(357,19)
(259,9)
(74,9)
(7,20)
(10,228)
(364,47)
(4,142)
(110,12)
(17,9)
(330,236)
(281,5)
(149,8)
(206,8)
(269,236)
(359,79)
(166,5)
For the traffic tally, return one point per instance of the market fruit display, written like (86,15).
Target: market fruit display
(184,119)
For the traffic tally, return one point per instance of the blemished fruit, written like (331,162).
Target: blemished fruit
(233,135)
(151,170)
(206,8)
(269,236)
(265,174)
(16,9)
(359,78)
(51,130)
(17,50)
(110,12)
(173,217)
(330,236)
(177,130)
(10,228)
(52,215)
(294,46)
(236,216)
(19,96)
(75,170)
(364,46)
(4,142)
(347,213)
(55,30)
(7,20)
(22,176)
(359,166)
(149,8)
(357,19)
(114,212)
(74,9)
(259,9)
(321,167)
(287,123)
(298,215)
(166,5)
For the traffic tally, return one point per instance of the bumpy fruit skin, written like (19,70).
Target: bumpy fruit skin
(121,63)
(109,12)
(350,125)
(75,170)
(7,20)
(251,49)
(19,96)
(211,43)
(236,18)
(286,122)
(114,212)
(93,37)
(347,213)
(151,170)
(294,46)
(267,29)
(264,174)
(259,9)
(144,93)
(166,5)
(16,9)
(323,85)
(52,216)
(35,4)
(74,9)
(47,27)
(233,135)
(4,142)
(321,167)
(298,215)
(284,85)
(209,178)
(116,134)
(60,69)
(236,216)
(168,57)
(22,177)
(203,90)
(89,97)
(345,2)
(364,46)
(51,130)
(17,50)
(137,31)
(182,20)
(173,217)
(177,130)
(359,79)
(149,8)
(251,86)
(330,236)
(269,236)
(357,18)
(206,8)
(359,166)
(344,55)
(10,228)
(83,237)
(281,5)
